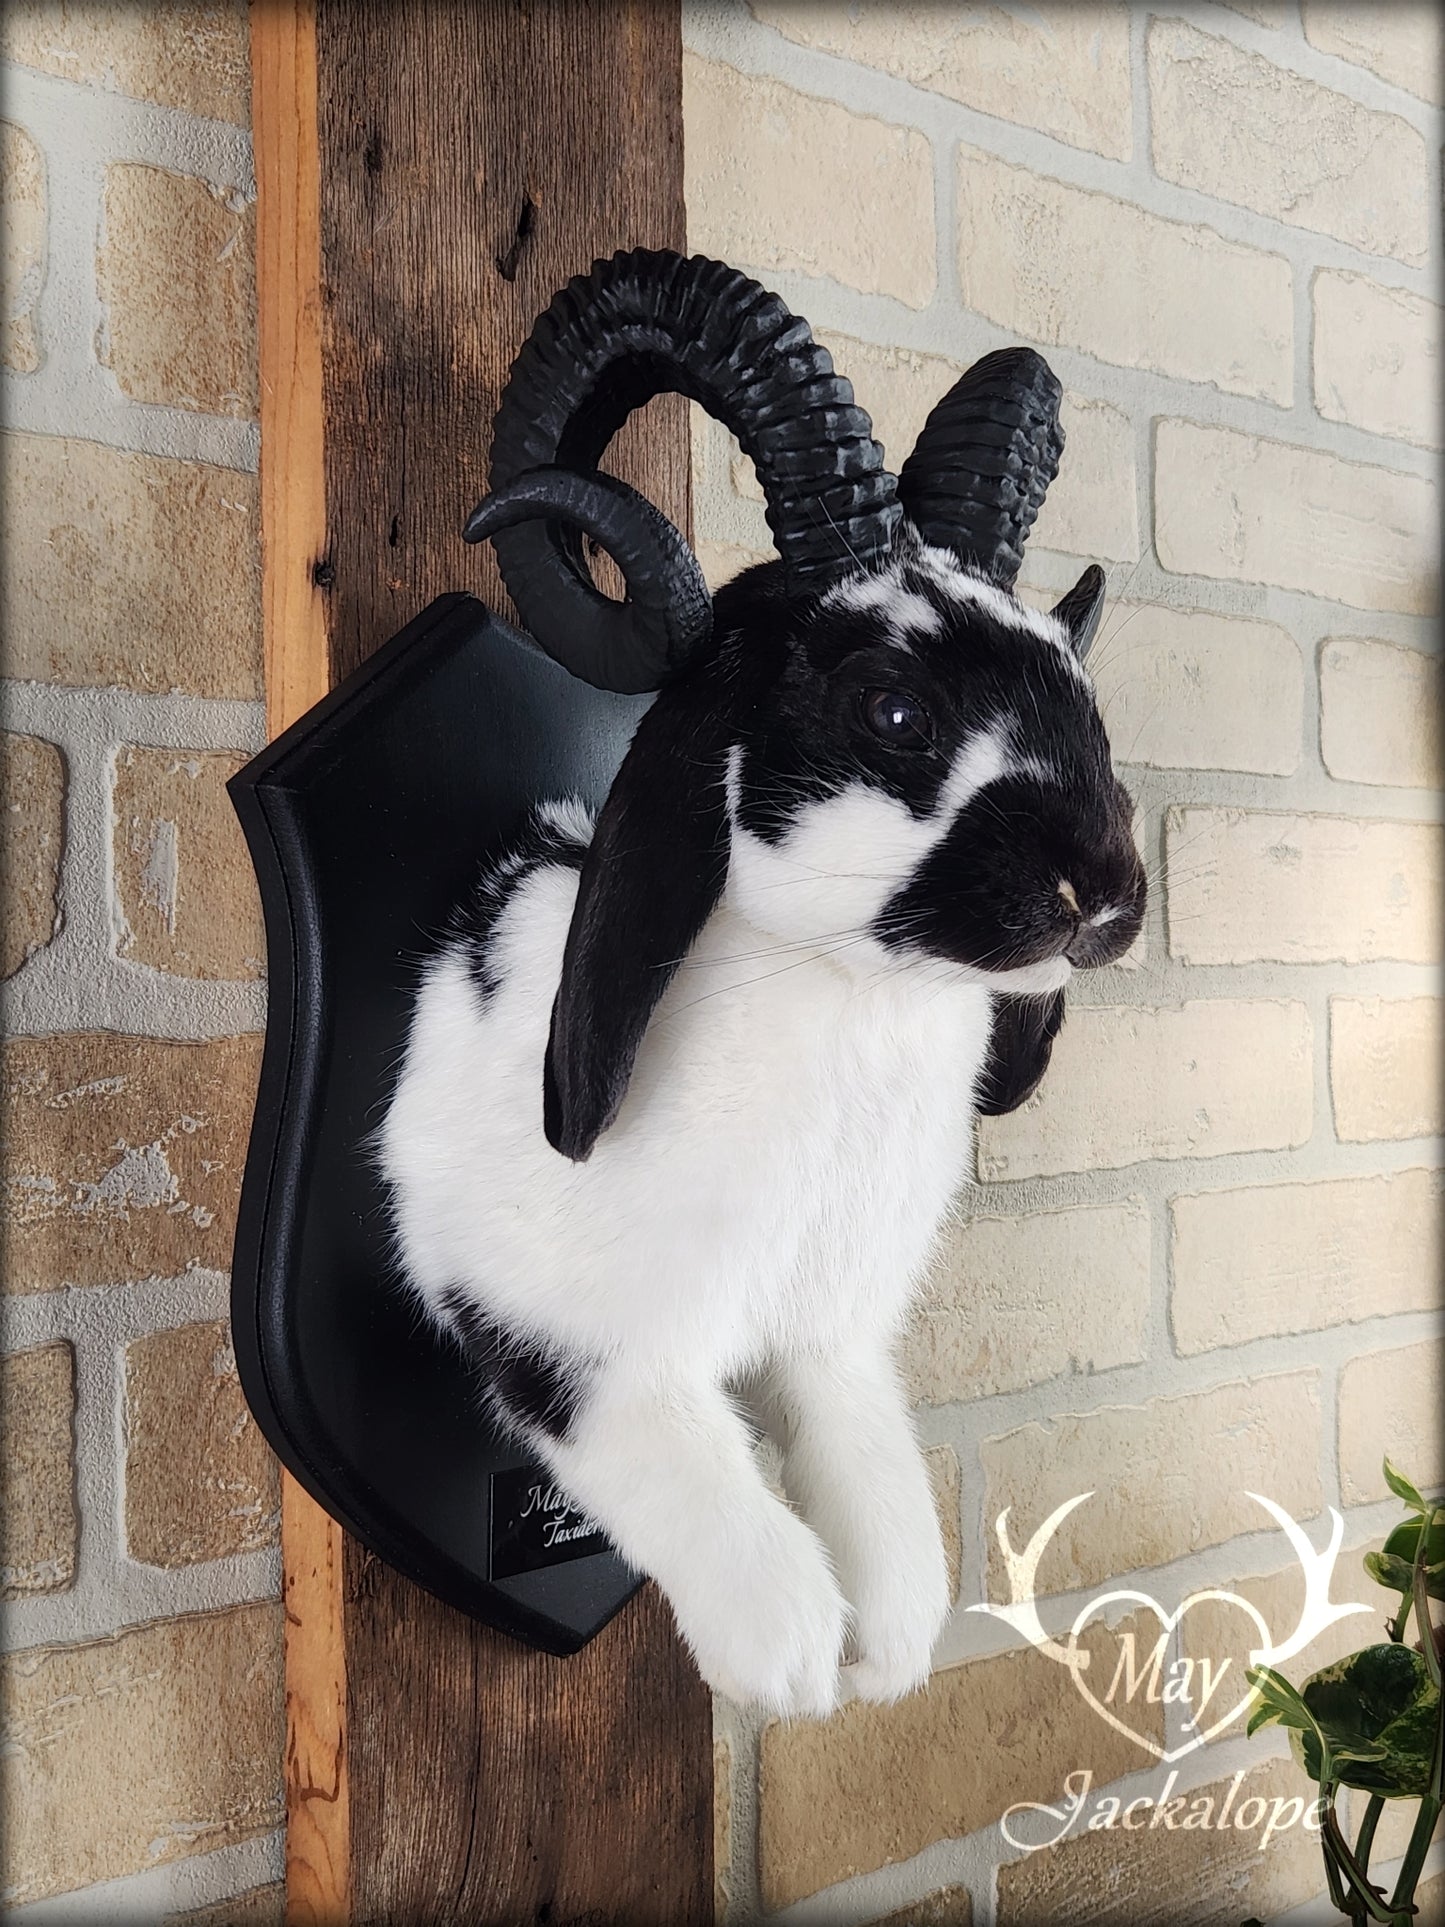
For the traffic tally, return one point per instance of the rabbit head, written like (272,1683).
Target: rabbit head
(870,744)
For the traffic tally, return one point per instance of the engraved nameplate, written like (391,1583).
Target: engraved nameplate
(535,1524)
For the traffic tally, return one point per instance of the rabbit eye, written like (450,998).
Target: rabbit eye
(897,720)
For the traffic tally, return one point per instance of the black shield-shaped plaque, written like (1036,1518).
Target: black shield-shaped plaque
(367,821)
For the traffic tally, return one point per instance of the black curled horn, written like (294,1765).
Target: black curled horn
(640,325)
(979,471)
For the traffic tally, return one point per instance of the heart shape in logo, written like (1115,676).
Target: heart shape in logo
(1079,1662)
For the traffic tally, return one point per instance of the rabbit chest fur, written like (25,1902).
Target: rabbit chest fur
(794,1128)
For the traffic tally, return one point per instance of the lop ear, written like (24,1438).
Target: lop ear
(1081,609)
(655,870)
(1019,1047)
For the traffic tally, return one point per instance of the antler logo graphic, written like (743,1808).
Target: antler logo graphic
(1184,1680)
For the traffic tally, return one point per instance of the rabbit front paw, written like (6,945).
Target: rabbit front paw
(772,1632)
(901,1610)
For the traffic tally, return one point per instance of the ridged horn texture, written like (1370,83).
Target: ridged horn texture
(642,324)
(979,471)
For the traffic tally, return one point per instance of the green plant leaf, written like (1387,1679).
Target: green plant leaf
(1397,1573)
(1374,1714)
(1403,1541)
(1279,1702)
(1402,1488)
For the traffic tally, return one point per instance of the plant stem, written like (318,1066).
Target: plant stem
(1367,1830)
(1403,1898)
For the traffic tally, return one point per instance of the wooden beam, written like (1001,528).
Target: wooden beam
(464,160)
(298,674)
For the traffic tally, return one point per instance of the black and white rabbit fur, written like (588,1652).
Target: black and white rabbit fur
(830,852)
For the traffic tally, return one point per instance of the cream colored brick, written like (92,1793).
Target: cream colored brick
(37,1521)
(180,55)
(1209,1876)
(1169,1477)
(1273,14)
(1090,510)
(32,784)
(779,179)
(1201,1080)
(877,1784)
(186,893)
(1390,1402)
(948,1907)
(199,1480)
(1225,1635)
(1017,1301)
(1258,886)
(1380,714)
(721,561)
(1062,265)
(722,1827)
(1232,124)
(23,239)
(1186,689)
(1065,72)
(122,1156)
(117,1758)
(1248,510)
(1387,1055)
(176,274)
(163,558)
(1279,1258)
(1399,41)
(1377,357)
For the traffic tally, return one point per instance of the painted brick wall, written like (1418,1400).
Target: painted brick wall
(141,1666)
(1206,1259)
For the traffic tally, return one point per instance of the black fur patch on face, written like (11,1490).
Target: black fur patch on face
(474,923)
(1019,1047)
(531,1390)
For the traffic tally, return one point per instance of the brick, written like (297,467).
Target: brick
(877,1784)
(722,1827)
(1200,1080)
(257,1907)
(163,557)
(1090,511)
(1017,1301)
(1029,258)
(23,229)
(1207,1877)
(943,1472)
(1276,1258)
(195,57)
(1386,1061)
(1244,509)
(779,179)
(1399,42)
(122,1156)
(1273,14)
(1376,358)
(948,1907)
(1390,1402)
(32,782)
(1066,74)
(1233,124)
(1186,689)
(116,1760)
(1380,716)
(186,892)
(176,275)
(1225,1635)
(199,1480)
(1259,886)
(1170,1477)
(721,561)
(37,1522)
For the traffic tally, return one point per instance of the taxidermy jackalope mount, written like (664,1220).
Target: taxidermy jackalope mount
(689,1089)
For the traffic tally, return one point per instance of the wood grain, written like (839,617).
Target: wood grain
(473,157)
(293,538)
(288,296)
